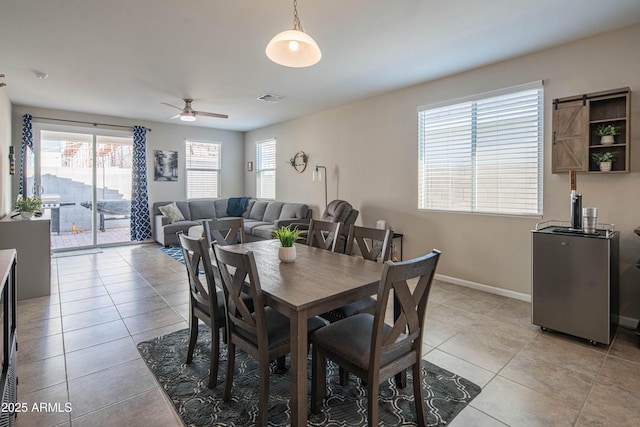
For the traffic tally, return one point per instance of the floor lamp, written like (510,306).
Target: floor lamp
(318,175)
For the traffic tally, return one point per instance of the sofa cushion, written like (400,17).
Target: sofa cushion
(257,211)
(249,207)
(184,208)
(221,208)
(263,231)
(172,212)
(250,224)
(202,209)
(272,212)
(178,226)
(294,210)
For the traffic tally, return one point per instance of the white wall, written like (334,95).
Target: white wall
(5,142)
(163,136)
(370,150)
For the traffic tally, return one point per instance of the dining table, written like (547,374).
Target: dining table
(316,282)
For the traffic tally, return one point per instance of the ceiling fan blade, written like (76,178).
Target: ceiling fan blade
(174,117)
(202,113)
(171,105)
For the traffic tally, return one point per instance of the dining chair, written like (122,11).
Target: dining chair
(371,244)
(263,334)
(337,211)
(205,301)
(323,234)
(370,348)
(224,231)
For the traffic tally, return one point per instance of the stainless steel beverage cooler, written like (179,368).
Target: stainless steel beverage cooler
(575,280)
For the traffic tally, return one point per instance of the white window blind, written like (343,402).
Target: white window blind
(483,154)
(266,169)
(203,169)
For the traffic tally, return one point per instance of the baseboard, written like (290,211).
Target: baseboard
(486,288)
(627,322)
(623,321)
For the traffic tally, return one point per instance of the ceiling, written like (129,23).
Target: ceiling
(124,57)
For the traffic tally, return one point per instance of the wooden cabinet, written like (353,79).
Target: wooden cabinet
(576,121)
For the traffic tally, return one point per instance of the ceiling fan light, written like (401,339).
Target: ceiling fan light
(188,117)
(293,48)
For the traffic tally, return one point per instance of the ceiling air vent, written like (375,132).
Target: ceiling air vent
(269,97)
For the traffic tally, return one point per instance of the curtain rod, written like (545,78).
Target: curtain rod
(86,123)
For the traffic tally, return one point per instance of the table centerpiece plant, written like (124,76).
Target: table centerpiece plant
(287,237)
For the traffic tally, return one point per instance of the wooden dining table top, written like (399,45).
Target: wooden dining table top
(316,277)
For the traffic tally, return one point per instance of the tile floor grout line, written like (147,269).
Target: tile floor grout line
(64,351)
(593,383)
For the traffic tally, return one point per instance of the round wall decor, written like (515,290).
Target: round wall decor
(299,161)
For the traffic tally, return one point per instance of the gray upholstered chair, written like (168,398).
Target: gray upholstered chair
(370,348)
(264,334)
(340,211)
(337,211)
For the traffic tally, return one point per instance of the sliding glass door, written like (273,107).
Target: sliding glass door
(84,178)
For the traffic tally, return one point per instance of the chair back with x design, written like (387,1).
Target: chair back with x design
(225,231)
(323,234)
(373,243)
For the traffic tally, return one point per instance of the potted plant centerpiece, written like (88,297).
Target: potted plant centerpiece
(604,159)
(287,237)
(607,133)
(28,206)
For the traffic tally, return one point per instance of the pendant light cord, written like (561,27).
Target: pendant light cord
(296,21)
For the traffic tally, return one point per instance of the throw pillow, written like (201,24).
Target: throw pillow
(172,212)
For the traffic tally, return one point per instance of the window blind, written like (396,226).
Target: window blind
(483,154)
(266,169)
(203,169)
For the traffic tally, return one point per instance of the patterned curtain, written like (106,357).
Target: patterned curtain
(27,139)
(140,220)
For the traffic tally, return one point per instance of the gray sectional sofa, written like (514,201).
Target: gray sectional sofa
(260,217)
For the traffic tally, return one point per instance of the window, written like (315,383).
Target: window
(266,169)
(203,169)
(483,154)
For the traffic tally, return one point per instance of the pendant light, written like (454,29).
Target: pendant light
(294,48)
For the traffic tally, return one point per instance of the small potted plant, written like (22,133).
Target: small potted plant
(28,206)
(607,133)
(287,237)
(604,159)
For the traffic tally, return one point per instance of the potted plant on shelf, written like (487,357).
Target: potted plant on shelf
(287,237)
(604,159)
(28,206)
(607,133)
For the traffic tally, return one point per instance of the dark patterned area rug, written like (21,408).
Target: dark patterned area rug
(446,394)
(174,252)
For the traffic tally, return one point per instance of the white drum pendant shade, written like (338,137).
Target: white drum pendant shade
(293,48)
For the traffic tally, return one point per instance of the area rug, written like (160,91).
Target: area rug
(446,394)
(174,252)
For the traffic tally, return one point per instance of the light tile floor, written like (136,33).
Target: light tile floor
(79,346)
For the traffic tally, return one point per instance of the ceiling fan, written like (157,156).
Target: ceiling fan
(188,114)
